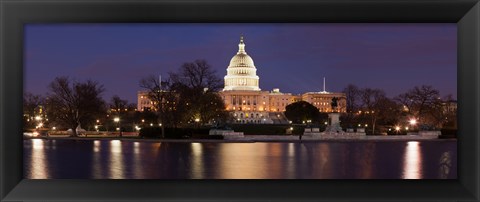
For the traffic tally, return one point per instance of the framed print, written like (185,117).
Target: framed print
(168,145)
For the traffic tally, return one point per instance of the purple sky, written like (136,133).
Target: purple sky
(292,57)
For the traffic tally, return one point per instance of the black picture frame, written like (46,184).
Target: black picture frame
(466,13)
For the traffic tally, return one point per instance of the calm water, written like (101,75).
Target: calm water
(115,159)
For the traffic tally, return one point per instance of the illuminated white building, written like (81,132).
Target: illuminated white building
(248,103)
(241,73)
(241,94)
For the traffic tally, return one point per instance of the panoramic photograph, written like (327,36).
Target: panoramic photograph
(240,101)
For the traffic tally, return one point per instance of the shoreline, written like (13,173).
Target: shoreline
(256,138)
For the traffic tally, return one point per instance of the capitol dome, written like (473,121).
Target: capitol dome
(241,60)
(241,72)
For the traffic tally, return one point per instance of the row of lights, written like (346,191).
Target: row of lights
(412,122)
(116,119)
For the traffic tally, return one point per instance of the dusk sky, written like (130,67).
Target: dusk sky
(292,57)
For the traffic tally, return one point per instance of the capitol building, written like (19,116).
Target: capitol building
(247,103)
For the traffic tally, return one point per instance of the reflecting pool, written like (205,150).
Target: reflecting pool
(129,159)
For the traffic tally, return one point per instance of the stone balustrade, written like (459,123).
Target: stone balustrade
(429,133)
(227,134)
(311,131)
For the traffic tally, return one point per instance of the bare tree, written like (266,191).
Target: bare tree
(196,84)
(198,76)
(371,103)
(188,95)
(421,102)
(406,100)
(212,108)
(131,106)
(157,92)
(387,111)
(352,92)
(441,114)
(424,98)
(72,103)
(118,106)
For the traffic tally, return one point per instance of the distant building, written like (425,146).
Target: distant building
(248,103)
(143,102)
(322,100)
(449,106)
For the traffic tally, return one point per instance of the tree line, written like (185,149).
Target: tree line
(421,105)
(370,108)
(187,96)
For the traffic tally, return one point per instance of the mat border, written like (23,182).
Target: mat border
(466,13)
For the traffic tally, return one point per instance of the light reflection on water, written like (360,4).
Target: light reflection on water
(97,159)
(324,155)
(115,159)
(412,161)
(38,155)
(96,146)
(290,167)
(244,161)
(197,161)
(137,160)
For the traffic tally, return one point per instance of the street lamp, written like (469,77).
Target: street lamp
(197,122)
(412,122)
(397,128)
(117,119)
(39,122)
